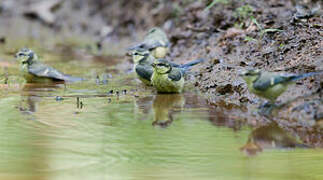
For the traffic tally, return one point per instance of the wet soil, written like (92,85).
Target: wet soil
(274,35)
(232,43)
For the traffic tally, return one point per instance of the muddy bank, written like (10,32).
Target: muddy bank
(265,35)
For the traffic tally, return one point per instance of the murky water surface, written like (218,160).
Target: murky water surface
(80,131)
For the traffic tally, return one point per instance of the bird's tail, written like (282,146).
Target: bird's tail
(73,79)
(192,63)
(297,77)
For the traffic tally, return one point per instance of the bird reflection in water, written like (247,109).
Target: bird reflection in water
(165,106)
(270,136)
(32,94)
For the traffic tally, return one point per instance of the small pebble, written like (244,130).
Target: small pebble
(59,98)
(2,40)
(97,80)
(81,105)
(99,45)
(104,81)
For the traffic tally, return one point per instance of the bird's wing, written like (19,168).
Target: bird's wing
(149,44)
(175,74)
(174,64)
(170,62)
(267,80)
(153,43)
(42,70)
(144,71)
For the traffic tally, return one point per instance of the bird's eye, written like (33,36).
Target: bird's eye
(21,54)
(135,54)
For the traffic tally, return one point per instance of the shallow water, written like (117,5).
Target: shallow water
(134,135)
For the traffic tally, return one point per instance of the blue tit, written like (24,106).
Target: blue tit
(156,42)
(270,85)
(166,78)
(143,61)
(35,71)
(142,65)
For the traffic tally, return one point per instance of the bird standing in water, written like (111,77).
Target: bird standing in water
(143,62)
(156,42)
(166,78)
(35,71)
(142,65)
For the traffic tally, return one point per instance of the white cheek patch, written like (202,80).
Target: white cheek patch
(46,71)
(136,59)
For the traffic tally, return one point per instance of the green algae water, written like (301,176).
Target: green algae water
(122,130)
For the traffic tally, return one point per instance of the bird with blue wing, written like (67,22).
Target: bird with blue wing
(35,71)
(270,85)
(155,41)
(167,78)
(143,62)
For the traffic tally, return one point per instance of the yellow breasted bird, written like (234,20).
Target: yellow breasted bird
(270,85)
(143,61)
(156,42)
(35,71)
(167,79)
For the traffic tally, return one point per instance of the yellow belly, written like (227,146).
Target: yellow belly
(272,93)
(160,52)
(164,85)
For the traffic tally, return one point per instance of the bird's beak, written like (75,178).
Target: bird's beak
(130,48)
(153,65)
